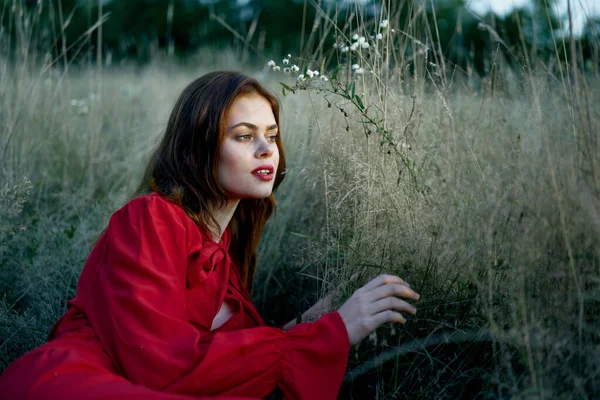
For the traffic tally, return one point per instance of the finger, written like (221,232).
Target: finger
(328,301)
(322,305)
(393,289)
(391,303)
(387,316)
(383,280)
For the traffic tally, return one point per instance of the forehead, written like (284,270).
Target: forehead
(252,108)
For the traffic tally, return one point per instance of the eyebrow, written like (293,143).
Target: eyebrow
(252,126)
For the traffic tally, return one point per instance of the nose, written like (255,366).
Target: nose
(265,149)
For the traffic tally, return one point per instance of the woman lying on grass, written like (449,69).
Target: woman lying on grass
(163,310)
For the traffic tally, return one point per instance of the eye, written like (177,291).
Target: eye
(242,138)
(273,137)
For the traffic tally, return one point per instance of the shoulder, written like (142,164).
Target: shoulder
(152,209)
(152,201)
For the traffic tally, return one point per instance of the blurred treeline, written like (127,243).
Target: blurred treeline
(141,29)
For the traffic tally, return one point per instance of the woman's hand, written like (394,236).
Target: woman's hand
(375,304)
(321,307)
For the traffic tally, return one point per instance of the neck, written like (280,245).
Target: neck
(223,217)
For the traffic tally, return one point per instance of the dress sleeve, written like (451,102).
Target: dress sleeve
(133,292)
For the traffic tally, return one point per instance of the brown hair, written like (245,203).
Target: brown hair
(183,168)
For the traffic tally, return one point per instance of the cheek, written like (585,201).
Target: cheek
(234,160)
(276,156)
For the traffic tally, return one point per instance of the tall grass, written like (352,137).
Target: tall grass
(489,207)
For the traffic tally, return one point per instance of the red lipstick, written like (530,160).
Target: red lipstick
(264,172)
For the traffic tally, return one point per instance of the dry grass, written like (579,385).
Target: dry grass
(499,232)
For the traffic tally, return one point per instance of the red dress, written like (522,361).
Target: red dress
(139,326)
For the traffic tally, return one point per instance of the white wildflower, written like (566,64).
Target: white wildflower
(365,45)
(361,40)
(373,338)
(354,46)
(271,64)
(309,73)
(355,66)
(301,78)
(295,68)
(345,49)
(316,73)
(359,71)
(277,68)
(384,23)
(379,36)
(287,71)
(286,61)
(324,78)
(289,56)
(355,36)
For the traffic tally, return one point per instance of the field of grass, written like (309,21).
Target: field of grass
(483,192)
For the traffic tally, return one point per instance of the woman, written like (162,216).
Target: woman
(163,310)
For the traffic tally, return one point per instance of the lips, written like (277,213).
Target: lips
(264,168)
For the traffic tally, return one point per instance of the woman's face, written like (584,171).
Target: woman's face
(249,143)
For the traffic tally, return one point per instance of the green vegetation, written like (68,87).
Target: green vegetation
(258,30)
(477,183)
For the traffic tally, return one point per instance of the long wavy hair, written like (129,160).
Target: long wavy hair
(184,166)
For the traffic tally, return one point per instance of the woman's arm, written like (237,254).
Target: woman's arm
(321,307)
(133,291)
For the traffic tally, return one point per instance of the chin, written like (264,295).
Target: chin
(248,190)
(251,195)
(259,196)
